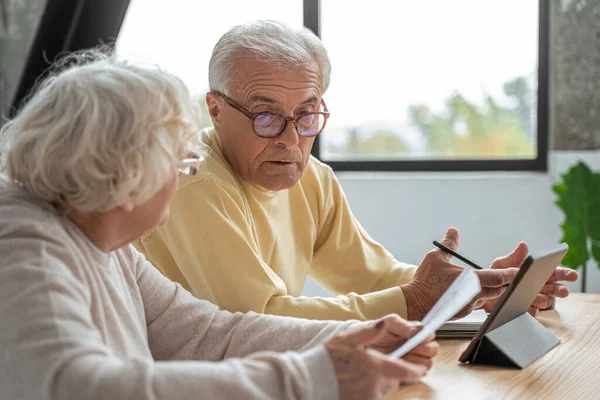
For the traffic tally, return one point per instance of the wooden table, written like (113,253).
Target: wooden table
(569,371)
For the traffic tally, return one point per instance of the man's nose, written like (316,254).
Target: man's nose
(289,137)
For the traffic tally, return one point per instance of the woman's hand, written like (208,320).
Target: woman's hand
(364,372)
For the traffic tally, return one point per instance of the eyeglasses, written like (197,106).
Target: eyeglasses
(190,165)
(269,125)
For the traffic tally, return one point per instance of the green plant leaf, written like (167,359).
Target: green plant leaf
(594,225)
(578,254)
(579,199)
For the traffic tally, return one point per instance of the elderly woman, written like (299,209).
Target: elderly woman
(90,163)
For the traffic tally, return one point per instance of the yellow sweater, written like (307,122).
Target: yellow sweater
(246,249)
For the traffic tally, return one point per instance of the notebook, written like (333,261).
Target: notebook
(464,327)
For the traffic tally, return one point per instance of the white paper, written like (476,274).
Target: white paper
(464,288)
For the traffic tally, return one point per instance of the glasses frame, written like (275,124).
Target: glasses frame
(192,161)
(252,116)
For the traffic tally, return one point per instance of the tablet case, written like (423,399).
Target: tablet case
(516,344)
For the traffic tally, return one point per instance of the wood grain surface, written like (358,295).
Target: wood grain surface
(569,371)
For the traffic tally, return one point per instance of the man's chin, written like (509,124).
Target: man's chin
(279,178)
(280,182)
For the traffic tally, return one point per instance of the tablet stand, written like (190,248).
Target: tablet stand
(515,344)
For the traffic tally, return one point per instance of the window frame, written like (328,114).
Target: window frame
(540,163)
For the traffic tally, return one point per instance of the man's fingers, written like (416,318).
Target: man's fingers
(486,298)
(542,301)
(533,311)
(496,277)
(451,241)
(480,303)
(564,274)
(513,259)
(489,294)
(364,336)
(555,290)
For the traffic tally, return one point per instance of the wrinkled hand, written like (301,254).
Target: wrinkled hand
(398,331)
(436,274)
(550,290)
(363,372)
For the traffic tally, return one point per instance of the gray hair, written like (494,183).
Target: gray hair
(271,42)
(99,131)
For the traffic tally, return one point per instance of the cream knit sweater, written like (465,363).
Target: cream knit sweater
(77,323)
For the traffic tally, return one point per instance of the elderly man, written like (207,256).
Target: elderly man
(262,214)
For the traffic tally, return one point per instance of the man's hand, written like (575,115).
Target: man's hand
(436,274)
(550,290)
(363,372)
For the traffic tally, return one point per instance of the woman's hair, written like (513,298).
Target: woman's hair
(270,41)
(98,131)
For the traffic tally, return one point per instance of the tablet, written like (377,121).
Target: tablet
(516,299)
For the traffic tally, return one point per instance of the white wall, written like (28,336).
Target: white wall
(492,210)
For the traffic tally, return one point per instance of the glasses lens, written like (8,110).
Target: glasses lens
(189,166)
(268,125)
(310,124)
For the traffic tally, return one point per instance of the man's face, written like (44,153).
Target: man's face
(271,163)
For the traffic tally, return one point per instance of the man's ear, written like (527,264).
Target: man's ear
(214,104)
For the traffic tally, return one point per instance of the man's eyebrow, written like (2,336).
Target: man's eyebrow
(262,99)
(310,100)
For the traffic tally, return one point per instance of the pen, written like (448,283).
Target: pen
(455,254)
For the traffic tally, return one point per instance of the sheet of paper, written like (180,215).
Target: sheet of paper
(464,288)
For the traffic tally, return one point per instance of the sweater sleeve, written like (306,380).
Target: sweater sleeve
(209,334)
(52,349)
(368,268)
(211,243)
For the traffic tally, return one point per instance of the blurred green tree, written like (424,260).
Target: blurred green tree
(466,130)
(380,143)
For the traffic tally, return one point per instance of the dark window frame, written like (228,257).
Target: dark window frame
(540,163)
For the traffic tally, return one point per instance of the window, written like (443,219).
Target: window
(429,85)
(435,85)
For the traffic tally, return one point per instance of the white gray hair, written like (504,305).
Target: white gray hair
(271,42)
(99,131)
